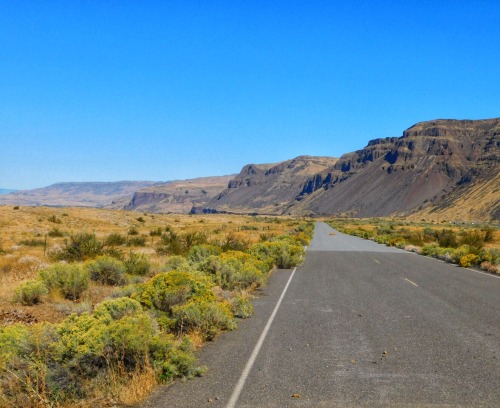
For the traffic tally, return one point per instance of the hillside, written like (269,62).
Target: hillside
(268,188)
(434,165)
(179,196)
(440,169)
(83,194)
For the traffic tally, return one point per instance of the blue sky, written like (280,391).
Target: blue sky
(162,90)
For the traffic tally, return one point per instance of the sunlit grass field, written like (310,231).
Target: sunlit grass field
(101,305)
(466,244)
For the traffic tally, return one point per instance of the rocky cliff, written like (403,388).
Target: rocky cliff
(268,188)
(178,197)
(431,166)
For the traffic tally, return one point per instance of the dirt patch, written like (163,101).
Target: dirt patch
(9,317)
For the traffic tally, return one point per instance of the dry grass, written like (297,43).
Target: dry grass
(20,262)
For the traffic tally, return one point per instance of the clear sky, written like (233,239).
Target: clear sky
(162,90)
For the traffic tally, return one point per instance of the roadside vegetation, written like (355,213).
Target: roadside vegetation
(110,303)
(467,245)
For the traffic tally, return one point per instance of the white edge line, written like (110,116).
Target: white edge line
(413,283)
(246,371)
(482,273)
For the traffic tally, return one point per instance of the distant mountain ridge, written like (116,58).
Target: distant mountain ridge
(179,196)
(443,168)
(78,194)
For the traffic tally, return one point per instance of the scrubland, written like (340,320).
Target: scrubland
(97,306)
(466,244)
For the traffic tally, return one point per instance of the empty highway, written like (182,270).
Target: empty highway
(357,325)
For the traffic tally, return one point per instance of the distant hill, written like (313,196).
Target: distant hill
(268,188)
(179,196)
(439,166)
(84,194)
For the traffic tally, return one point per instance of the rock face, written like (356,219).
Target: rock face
(432,166)
(179,197)
(268,188)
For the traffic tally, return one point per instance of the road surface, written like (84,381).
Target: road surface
(357,325)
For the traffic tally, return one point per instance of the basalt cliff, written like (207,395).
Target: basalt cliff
(449,168)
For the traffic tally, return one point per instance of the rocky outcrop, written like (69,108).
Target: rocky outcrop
(432,164)
(179,197)
(429,162)
(268,188)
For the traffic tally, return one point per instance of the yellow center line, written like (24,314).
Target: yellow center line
(413,283)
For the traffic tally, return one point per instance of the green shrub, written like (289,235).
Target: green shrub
(115,239)
(55,232)
(460,252)
(156,232)
(169,289)
(118,308)
(137,264)
(137,241)
(192,239)
(117,332)
(428,234)
(59,365)
(80,248)
(398,242)
(127,291)
(54,219)
(106,270)
(68,279)
(170,244)
(491,255)
(233,243)
(207,317)
(266,237)
(385,229)
(488,234)
(446,238)
(241,306)
(249,228)
(445,254)
(277,253)
(30,293)
(32,242)
(474,239)
(229,272)
(176,263)
(199,253)
(13,341)
(172,361)
(430,250)
(468,260)
(133,231)
(414,238)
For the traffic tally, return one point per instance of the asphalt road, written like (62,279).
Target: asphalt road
(359,325)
